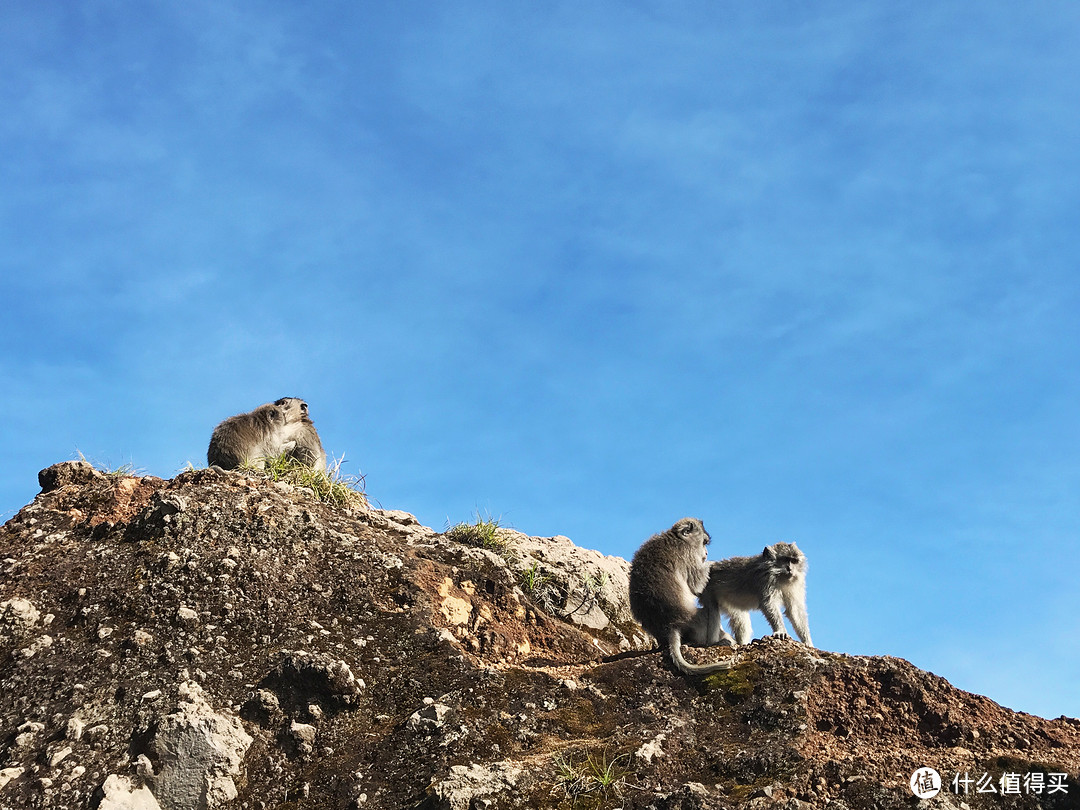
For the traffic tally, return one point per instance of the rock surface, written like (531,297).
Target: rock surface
(215,641)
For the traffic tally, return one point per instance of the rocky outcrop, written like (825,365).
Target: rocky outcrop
(216,641)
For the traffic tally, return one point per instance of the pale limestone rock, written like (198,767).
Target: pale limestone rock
(18,614)
(652,749)
(121,794)
(430,717)
(9,775)
(199,751)
(187,615)
(470,786)
(59,756)
(595,585)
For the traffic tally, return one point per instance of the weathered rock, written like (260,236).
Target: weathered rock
(589,587)
(429,717)
(301,679)
(67,473)
(199,752)
(302,737)
(9,775)
(473,786)
(652,749)
(18,617)
(120,793)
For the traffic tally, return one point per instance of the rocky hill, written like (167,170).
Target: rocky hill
(218,641)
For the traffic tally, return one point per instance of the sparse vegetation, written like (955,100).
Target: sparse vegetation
(594,583)
(596,776)
(122,471)
(486,532)
(585,596)
(533,579)
(332,486)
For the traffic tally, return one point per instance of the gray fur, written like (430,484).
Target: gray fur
(249,438)
(666,576)
(769,582)
(308,449)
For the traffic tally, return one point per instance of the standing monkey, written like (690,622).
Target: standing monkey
(772,580)
(308,449)
(249,438)
(666,576)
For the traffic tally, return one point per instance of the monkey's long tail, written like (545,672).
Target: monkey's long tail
(675,650)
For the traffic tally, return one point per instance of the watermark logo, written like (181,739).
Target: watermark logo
(926,783)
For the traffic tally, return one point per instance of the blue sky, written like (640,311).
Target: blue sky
(805,271)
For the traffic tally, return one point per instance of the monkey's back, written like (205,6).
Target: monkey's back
(657,588)
(243,437)
(738,581)
(226,448)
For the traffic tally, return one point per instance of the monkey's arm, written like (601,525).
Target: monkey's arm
(770,606)
(795,609)
(697,577)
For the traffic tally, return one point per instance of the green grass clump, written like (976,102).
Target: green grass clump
(484,533)
(595,776)
(594,583)
(331,486)
(533,579)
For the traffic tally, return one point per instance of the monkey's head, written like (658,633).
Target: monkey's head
(273,415)
(295,409)
(691,531)
(786,560)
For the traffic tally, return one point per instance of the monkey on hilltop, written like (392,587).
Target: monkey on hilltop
(250,438)
(772,580)
(666,576)
(308,449)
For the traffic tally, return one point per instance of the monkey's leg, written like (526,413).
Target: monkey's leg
(716,632)
(696,633)
(740,626)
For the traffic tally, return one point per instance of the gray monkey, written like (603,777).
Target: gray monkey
(249,438)
(772,580)
(666,576)
(308,449)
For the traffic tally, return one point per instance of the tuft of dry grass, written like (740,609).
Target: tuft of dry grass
(331,486)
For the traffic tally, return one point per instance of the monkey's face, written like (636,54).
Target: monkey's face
(786,561)
(294,408)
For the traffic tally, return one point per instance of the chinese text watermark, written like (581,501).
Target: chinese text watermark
(927,783)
